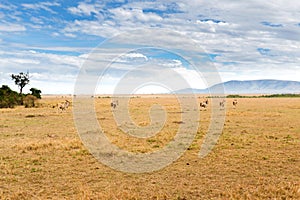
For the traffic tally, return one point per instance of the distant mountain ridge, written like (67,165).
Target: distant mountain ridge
(267,86)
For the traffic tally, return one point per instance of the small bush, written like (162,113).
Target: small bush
(29,116)
(29,101)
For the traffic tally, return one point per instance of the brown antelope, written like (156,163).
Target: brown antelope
(234,103)
(64,105)
(114,104)
(204,104)
(222,104)
(206,101)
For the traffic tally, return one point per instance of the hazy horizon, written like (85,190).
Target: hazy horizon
(146,92)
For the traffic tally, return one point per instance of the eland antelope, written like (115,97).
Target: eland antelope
(64,105)
(114,104)
(222,104)
(203,105)
(234,103)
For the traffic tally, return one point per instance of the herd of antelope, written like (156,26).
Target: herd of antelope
(204,104)
(64,105)
(114,104)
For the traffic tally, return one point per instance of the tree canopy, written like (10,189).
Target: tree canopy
(21,80)
(36,92)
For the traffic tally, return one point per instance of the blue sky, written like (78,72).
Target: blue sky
(244,40)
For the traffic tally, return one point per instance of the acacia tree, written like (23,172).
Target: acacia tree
(21,80)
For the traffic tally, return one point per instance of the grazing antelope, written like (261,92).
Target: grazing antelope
(234,103)
(222,104)
(206,101)
(203,105)
(64,105)
(114,104)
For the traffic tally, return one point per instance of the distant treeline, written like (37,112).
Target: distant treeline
(264,96)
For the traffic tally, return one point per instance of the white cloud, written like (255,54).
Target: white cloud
(173,63)
(55,34)
(4,6)
(22,61)
(134,14)
(84,9)
(52,73)
(9,27)
(41,6)
(34,57)
(121,19)
(132,58)
(36,20)
(7,6)
(194,78)
(71,35)
(59,86)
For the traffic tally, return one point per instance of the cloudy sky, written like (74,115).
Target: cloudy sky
(243,40)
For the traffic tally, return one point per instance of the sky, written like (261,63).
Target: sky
(56,40)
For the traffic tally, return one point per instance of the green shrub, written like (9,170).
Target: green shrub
(9,98)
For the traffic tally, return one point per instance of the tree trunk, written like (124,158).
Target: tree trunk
(21,95)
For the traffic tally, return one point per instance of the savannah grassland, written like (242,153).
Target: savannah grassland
(257,155)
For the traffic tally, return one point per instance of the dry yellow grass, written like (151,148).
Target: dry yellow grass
(257,156)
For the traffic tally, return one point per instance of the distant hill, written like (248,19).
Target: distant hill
(250,87)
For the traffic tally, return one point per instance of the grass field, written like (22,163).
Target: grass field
(257,155)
